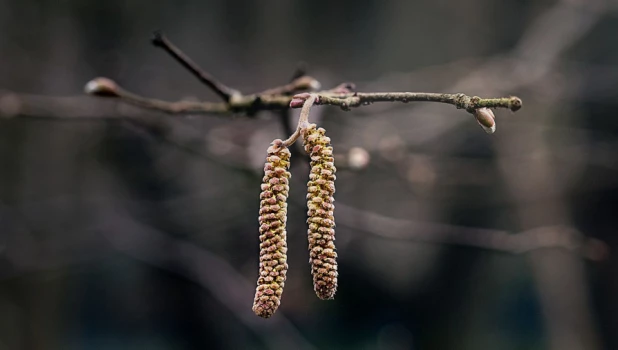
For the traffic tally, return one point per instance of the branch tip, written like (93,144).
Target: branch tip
(157,38)
(515,103)
(102,87)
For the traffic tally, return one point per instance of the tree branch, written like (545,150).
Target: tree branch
(279,98)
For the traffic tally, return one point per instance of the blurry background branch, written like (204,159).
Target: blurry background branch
(566,238)
(206,269)
(124,234)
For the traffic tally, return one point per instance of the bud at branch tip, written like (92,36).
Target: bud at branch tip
(102,87)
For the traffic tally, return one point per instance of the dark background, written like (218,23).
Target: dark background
(117,235)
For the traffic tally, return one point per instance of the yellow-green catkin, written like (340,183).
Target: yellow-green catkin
(272,219)
(320,191)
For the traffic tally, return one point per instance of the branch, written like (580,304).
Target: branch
(339,96)
(280,98)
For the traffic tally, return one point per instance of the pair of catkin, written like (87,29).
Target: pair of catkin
(273,217)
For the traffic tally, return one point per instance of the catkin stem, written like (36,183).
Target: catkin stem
(303,120)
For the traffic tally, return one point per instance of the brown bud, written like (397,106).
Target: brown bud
(320,191)
(272,219)
(102,87)
(486,119)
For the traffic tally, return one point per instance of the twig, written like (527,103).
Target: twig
(459,100)
(225,92)
(279,98)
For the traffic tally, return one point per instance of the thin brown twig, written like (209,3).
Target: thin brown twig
(459,100)
(225,92)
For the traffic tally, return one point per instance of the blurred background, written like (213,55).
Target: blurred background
(123,228)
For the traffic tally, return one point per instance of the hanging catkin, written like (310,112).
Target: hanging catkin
(272,219)
(321,233)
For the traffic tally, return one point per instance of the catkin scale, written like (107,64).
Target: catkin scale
(272,220)
(321,232)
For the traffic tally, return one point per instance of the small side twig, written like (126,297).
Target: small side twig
(225,92)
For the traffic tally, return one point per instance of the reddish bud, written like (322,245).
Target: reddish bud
(486,119)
